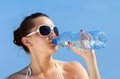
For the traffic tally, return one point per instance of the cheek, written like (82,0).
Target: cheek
(40,42)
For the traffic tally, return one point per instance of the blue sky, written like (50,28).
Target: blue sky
(68,15)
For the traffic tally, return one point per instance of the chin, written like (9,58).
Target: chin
(54,48)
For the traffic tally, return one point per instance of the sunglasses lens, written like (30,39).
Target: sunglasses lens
(44,30)
(56,31)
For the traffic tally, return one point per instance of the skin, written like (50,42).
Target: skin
(43,65)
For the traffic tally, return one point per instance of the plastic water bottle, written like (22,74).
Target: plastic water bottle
(82,40)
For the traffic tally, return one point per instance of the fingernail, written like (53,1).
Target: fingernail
(81,30)
(68,42)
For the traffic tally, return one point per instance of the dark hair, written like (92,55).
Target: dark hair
(24,29)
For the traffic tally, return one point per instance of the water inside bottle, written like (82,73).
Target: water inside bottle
(82,44)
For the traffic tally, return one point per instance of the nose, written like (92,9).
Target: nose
(52,34)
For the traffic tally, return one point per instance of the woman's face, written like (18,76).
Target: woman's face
(40,43)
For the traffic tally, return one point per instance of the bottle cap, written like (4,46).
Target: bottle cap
(55,40)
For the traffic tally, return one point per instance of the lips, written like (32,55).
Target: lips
(50,41)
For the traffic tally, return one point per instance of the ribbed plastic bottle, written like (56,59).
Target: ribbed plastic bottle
(82,40)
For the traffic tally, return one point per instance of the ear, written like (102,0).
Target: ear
(26,41)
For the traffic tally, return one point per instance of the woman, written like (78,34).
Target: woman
(35,35)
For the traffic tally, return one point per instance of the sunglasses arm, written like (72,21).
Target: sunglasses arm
(32,33)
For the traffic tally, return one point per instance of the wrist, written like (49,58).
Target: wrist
(90,56)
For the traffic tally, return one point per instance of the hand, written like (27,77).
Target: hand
(85,53)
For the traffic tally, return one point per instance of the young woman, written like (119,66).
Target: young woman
(35,35)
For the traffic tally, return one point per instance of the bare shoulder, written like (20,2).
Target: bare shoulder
(74,69)
(18,75)
(73,65)
(77,69)
(69,65)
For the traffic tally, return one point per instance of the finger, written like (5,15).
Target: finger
(76,50)
(84,35)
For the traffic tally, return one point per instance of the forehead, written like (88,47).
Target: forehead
(43,20)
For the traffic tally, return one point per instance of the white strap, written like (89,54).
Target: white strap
(57,66)
(59,70)
(28,72)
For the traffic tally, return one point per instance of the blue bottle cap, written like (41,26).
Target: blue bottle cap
(55,40)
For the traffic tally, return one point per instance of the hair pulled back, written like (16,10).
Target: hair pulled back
(24,29)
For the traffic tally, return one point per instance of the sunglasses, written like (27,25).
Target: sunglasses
(45,30)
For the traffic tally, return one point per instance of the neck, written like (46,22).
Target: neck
(41,63)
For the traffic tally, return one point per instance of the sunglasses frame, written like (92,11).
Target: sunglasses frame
(37,31)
